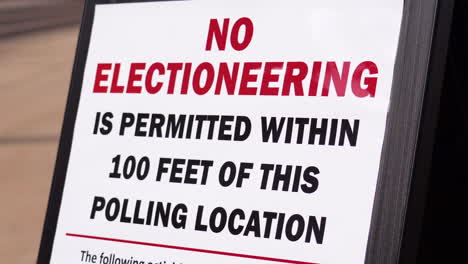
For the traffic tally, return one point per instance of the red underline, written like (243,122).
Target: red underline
(190,249)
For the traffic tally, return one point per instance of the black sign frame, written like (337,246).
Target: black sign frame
(405,162)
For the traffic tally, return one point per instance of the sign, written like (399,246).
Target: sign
(228,131)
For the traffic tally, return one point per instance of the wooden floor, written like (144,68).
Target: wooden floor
(34,75)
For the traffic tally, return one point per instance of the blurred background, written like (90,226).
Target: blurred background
(37,46)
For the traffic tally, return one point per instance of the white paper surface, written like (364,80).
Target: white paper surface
(308,31)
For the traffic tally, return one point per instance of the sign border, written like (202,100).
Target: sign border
(408,142)
(66,137)
(405,164)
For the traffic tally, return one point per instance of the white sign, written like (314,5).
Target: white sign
(229,132)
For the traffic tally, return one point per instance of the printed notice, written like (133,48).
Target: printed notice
(229,132)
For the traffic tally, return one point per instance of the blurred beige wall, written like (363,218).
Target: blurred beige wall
(36,58)
(17,16)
